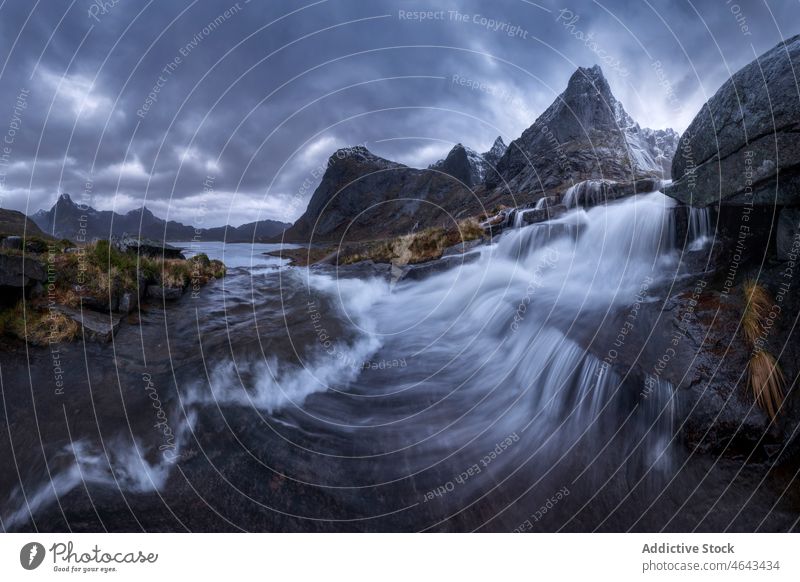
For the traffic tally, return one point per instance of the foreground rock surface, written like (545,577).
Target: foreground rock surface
(19,271)
(742,147)
(97,327)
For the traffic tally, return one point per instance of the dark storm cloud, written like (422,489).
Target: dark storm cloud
(145,101)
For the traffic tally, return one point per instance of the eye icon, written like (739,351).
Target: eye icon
(31,555)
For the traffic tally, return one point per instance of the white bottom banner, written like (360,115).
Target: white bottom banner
(420,557)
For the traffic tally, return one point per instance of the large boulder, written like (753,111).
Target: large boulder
(19,271)
(96,327)
(742,147)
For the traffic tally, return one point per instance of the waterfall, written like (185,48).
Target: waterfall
(519,214)
(530,293)
(586,193)
(700,229)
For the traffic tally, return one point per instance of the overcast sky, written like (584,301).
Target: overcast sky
(251,97)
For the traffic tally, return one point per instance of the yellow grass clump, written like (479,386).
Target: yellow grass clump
(417,247)
(37,327)
(766,381)
(757,304)
(764,375)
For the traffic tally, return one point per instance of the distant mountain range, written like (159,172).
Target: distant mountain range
(585,134)
(66,219)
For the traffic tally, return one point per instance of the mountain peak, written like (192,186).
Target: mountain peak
(588,78)
(144,211)
(496,151)
(585,118)
(361,155)
(66,198)
(464,164)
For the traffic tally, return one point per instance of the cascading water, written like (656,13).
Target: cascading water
(700,230)
(526,297)
(519,216)
(586,193)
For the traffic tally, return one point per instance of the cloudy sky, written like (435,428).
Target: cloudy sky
(223,111)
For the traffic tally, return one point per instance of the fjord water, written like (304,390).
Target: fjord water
(324,398)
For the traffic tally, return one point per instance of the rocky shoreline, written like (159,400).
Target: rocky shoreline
(56,291)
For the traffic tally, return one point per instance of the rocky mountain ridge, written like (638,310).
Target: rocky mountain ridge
(586,134)
(364,197)
(68,219)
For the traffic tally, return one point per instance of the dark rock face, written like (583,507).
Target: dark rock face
(585,134)
(492,157)
(425,270)
(690,340)
(788,235)
(535,216)
(21,272)
(742,147)
(68,219)
(362,196)
(11,243)
(164,293)
(463,247)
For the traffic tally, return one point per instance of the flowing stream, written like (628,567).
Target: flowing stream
(338,399)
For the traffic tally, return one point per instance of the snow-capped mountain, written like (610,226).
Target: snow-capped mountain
(584,134)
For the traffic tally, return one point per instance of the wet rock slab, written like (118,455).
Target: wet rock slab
(97,327)
(165,293)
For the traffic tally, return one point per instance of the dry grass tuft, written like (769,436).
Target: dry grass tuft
(764,375)
(417,247)
(756,308)
(766,380)
(38,328)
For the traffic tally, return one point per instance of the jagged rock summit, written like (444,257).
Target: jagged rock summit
(584,134)
(496,152)
(468,166)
